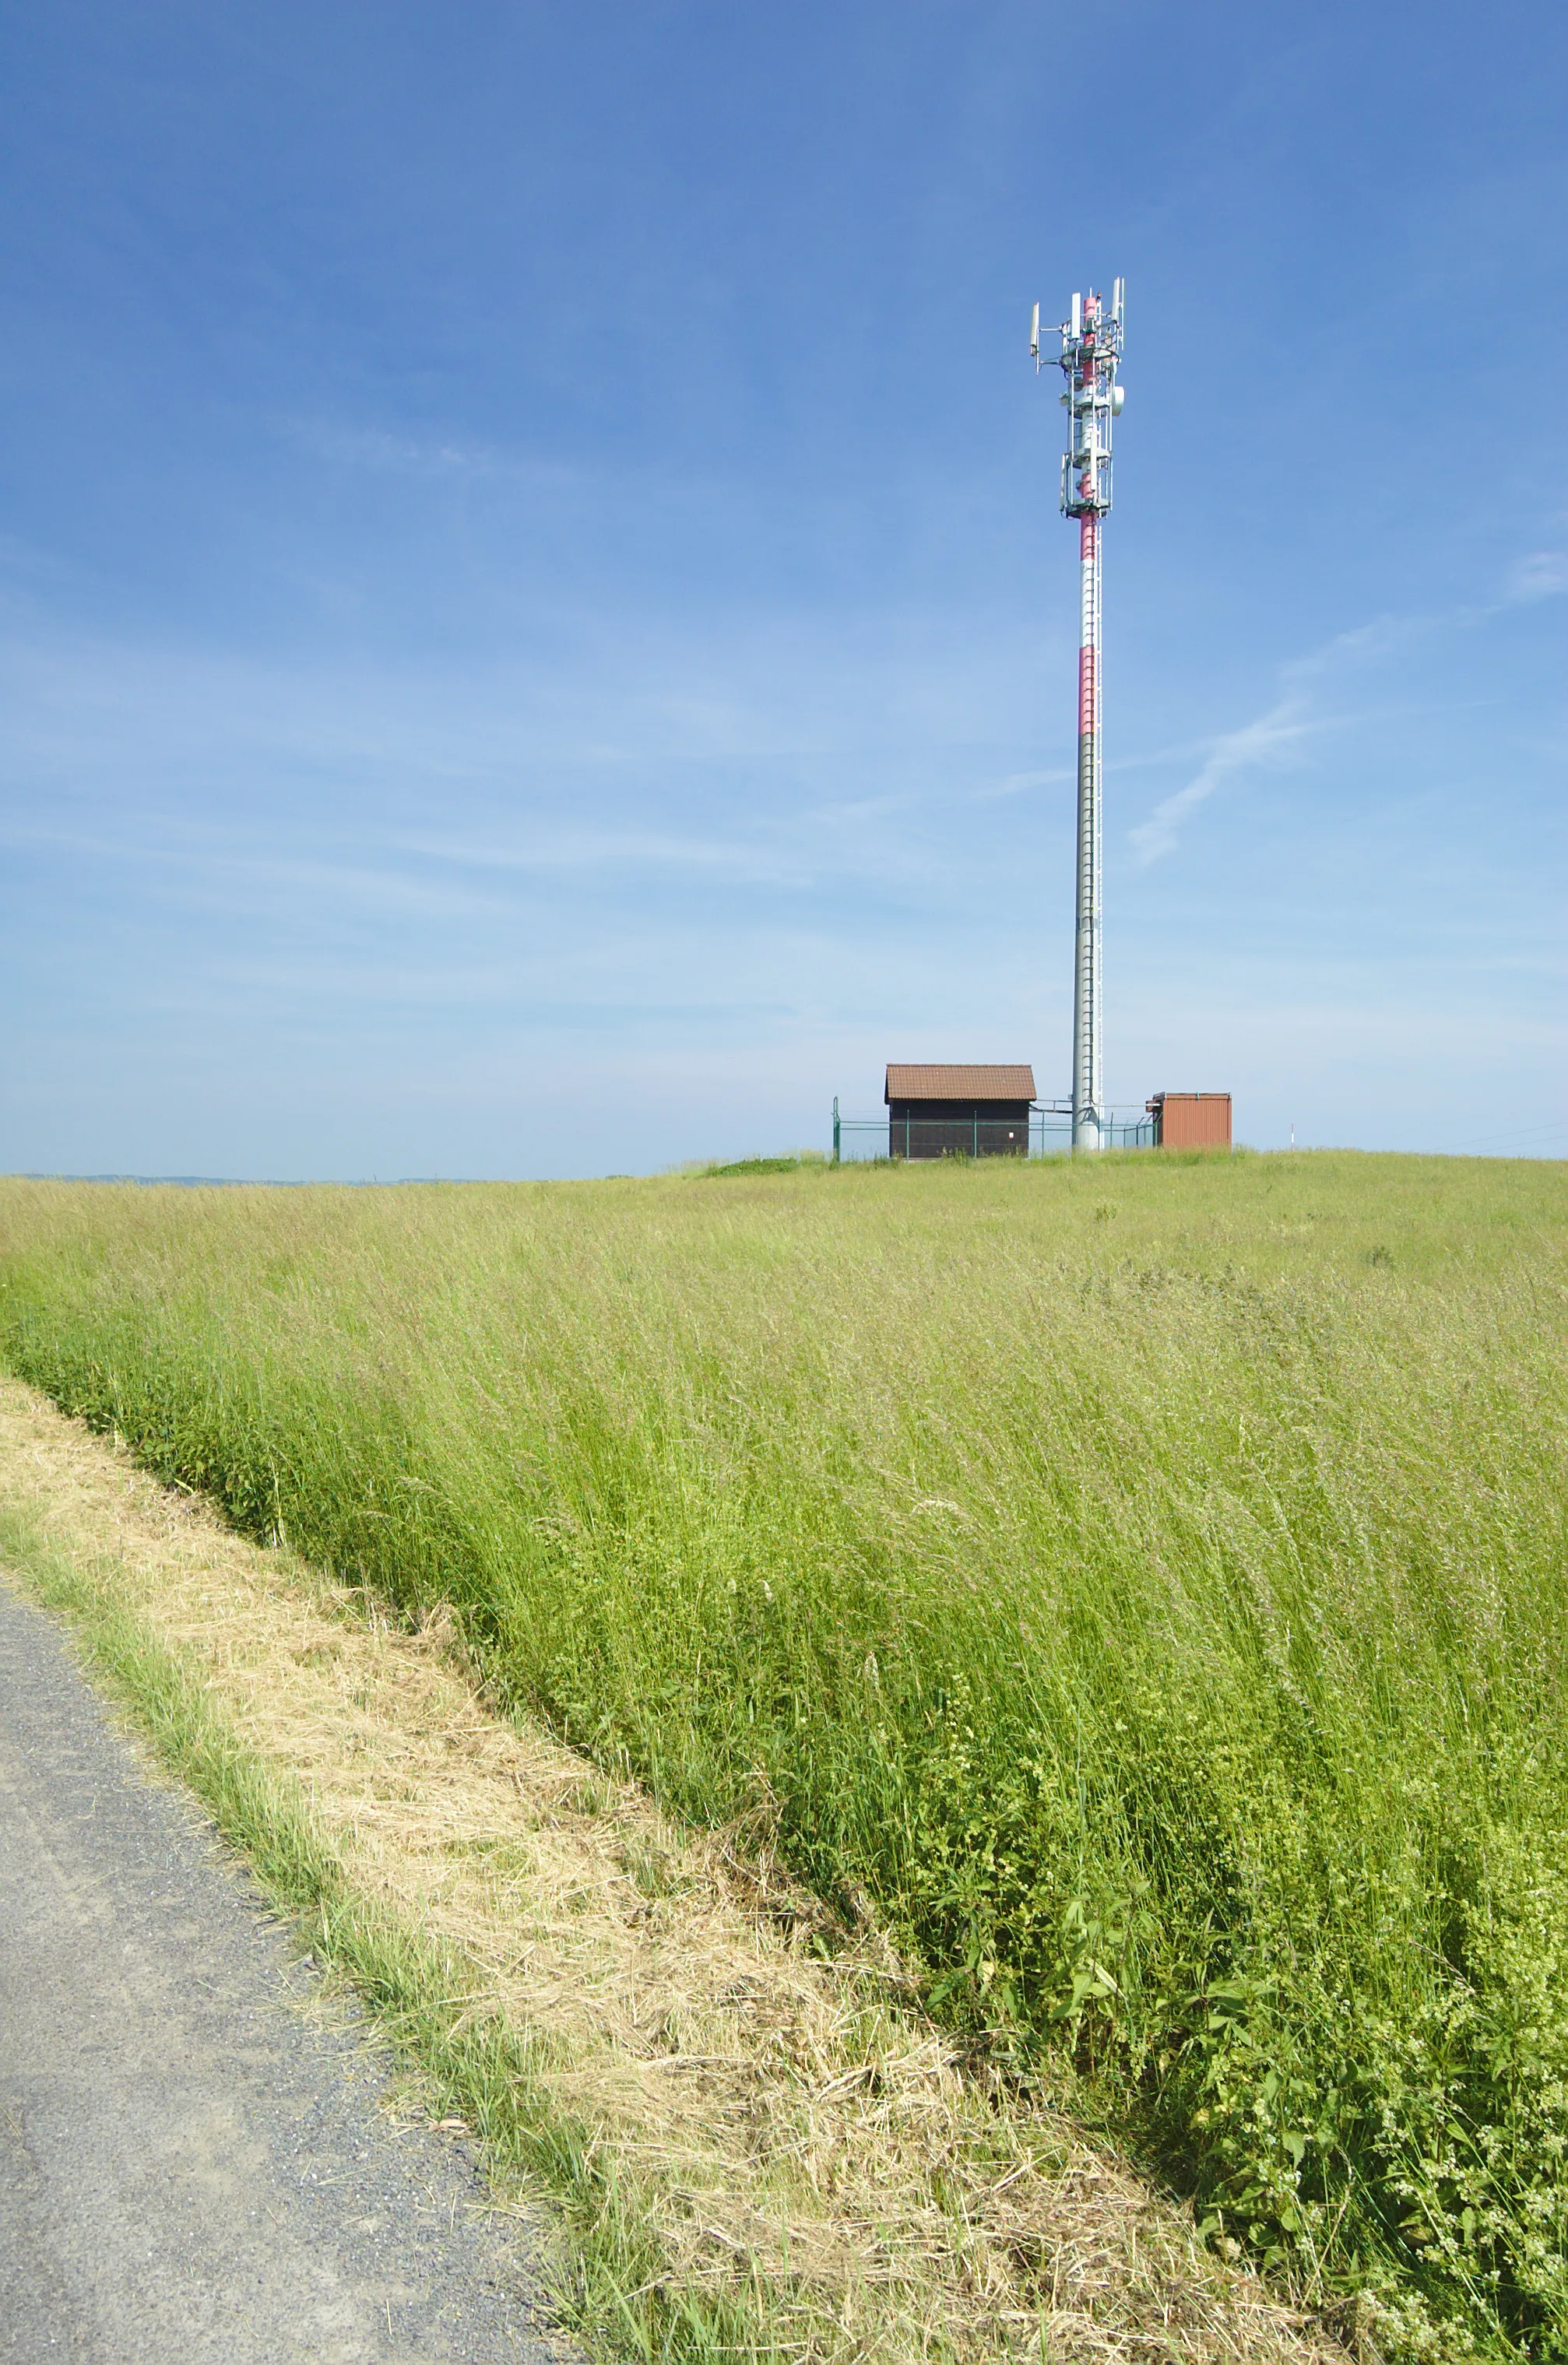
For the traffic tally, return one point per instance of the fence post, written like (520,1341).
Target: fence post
(835,1128)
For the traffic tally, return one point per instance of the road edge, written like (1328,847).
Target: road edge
(600,2264)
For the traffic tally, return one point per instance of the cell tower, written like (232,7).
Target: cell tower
(1089,357)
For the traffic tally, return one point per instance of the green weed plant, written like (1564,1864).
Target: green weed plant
(1140,1582)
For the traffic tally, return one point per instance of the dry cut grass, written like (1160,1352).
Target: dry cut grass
(790,2125)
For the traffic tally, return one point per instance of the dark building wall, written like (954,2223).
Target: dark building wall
(958,1128)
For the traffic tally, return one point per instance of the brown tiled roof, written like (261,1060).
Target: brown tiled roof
(955,1083)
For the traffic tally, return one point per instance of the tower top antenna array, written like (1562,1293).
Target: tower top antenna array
(1090,359)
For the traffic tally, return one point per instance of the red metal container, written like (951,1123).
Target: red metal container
(1191,1120)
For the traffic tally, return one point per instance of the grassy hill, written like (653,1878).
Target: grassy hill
(1140,1583)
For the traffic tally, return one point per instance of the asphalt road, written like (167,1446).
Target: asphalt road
(195,2162)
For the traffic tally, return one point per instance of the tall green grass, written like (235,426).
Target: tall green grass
(1145,1581)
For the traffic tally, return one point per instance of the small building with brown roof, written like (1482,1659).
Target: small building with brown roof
(957,1111)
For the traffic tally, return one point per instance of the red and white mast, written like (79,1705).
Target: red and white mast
(1089,357)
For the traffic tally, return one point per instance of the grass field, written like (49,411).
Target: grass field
(1142,1584)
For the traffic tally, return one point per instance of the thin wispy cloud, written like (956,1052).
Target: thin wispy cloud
(1016,783)
(1267,740)
(346,445)
(613,850)
(1275,738)
(1538,575)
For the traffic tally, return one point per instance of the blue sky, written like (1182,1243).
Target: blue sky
(535,635)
